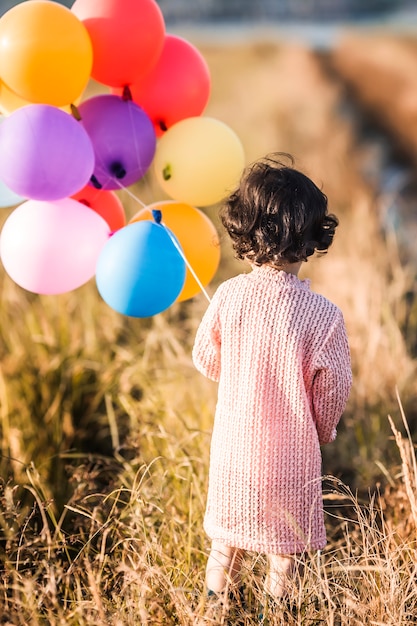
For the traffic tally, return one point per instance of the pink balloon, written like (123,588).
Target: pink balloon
(105,203)
(52,247)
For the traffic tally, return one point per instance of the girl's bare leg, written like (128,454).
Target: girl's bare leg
(223,567)
(280,578)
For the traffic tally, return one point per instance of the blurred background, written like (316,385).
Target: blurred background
(202,10)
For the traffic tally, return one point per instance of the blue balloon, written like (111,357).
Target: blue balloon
(140,271)
(8,198)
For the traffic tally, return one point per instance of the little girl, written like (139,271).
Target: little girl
(280,354)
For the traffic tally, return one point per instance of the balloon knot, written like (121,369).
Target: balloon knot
(75,112)
(162,125)
(118,170)
(166,172)
(157,215)
(95,182)
(127,94)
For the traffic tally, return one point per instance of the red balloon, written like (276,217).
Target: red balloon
(127,37)
(177,87)
(105,203)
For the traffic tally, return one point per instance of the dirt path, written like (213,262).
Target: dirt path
(381,71)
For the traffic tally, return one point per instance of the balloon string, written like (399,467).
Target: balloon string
(180,250)
(132,195)
(178,247)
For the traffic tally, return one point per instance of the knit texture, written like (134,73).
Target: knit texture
(280,354)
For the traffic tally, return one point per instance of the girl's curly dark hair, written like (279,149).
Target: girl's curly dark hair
(277,215)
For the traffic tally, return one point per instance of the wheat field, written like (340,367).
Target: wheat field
(105,424)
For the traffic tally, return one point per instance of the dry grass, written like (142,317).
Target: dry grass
(106,425)
(133,553)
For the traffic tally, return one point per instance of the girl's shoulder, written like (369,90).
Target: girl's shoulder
(324,306)
(234,282)
(268,284)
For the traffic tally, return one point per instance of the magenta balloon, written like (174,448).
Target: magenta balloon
(45,154)
(52,247)
(123,139)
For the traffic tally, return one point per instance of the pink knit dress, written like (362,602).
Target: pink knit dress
(280,354)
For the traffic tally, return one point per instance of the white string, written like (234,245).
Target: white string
(132,195)
(174,241)
(178,247)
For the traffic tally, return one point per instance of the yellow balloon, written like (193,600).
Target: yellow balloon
(198,161)
(10,101)
(46,53)
(197,237)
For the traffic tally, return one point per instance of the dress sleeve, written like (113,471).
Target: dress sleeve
(206,349)
(332,382)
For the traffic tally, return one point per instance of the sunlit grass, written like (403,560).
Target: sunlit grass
(133,552)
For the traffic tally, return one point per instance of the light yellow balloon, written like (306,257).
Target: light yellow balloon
(199,161)
(9,101)
(46,53)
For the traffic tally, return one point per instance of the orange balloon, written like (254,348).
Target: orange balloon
(197,237)
(45,53)
(105,203)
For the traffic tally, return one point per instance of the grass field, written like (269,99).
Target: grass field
(105,424)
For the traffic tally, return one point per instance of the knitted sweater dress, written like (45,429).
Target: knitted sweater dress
(280,354)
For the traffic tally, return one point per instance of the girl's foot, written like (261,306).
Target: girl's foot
(273,607)
(225,608)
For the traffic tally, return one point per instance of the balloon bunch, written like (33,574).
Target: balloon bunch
(64,157)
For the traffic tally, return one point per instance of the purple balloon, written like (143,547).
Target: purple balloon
(123,138)
(45,154)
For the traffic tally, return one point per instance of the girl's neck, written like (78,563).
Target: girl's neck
(289,268)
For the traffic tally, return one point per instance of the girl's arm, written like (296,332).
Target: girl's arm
(332,382)
(206,350)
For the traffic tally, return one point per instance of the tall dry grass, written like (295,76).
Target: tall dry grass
(128,547)
(106,425)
